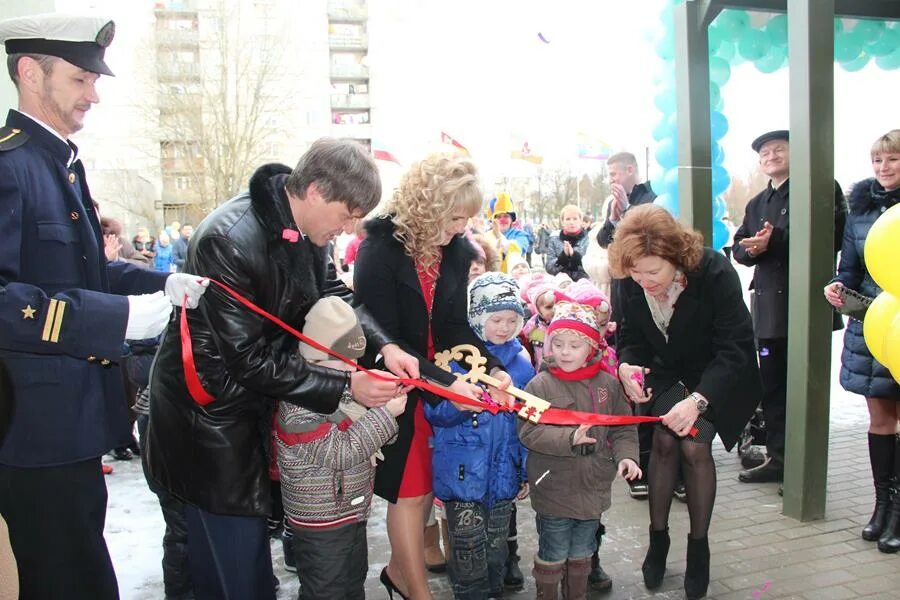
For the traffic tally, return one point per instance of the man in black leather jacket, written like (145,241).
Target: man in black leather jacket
(268,244)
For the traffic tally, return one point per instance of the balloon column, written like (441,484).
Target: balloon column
(881,326)
(733,39)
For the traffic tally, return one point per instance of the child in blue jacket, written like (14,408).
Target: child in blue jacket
(478,463)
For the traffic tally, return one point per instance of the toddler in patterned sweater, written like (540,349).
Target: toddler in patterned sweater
(327,465)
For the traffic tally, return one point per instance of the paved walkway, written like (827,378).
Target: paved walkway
(756,552)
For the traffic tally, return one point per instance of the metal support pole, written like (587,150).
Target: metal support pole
(694,142)
(811,51)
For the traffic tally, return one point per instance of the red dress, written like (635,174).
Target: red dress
(417,472)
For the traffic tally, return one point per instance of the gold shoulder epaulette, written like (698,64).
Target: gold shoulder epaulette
(11,138)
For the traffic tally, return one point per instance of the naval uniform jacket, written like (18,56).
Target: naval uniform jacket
(710,346)
(769,299)
(216,457)
(63,309)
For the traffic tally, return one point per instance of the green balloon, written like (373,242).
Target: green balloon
(777,30)
(856,64)
(838,27)
(719,71)
(771,62)
(665,48)
(848,46)
(726,52)
(715,94)
(890,61)
(733,22)
(870,30)
(887,43)
(753,44)
(715,37)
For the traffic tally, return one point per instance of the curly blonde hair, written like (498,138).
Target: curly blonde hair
(649,230)
(429,194)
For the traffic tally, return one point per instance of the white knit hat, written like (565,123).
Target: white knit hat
(492,292)
(333,323)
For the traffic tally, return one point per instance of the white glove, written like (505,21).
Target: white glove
(148,315)
(179,284)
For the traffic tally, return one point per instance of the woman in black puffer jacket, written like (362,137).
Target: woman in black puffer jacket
(860,372)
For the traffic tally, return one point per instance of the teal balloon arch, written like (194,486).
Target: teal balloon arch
(733,39)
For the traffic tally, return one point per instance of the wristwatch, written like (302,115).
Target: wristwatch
(701,402)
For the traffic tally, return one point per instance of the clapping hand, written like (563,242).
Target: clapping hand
(620,201)
(759,243)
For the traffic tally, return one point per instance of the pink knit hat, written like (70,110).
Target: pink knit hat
(584,291)
(575,318)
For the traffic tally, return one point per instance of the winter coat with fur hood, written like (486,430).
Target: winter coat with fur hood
(860,373)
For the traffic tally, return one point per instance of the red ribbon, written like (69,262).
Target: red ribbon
(551,416)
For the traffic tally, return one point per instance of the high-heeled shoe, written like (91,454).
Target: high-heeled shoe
(389,585)
(654,567)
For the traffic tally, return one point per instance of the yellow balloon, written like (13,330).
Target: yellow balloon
(892,347)
(877,321)
(882,244)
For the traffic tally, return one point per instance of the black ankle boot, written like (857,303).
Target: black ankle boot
(889,542)
(654,566)
(512,574)
(696,574)
(598,579)
(881,456)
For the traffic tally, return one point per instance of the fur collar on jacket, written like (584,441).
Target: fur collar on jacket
(869,194)
(269,199)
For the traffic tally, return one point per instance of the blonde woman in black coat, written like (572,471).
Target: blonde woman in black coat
(686,352)
(411,274)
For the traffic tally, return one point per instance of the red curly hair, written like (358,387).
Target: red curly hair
(649,230)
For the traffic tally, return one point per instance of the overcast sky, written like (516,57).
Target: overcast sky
(479,71)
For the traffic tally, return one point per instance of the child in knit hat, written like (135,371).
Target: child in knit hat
(541,298)
(571,468)
(478,463)
(327,464)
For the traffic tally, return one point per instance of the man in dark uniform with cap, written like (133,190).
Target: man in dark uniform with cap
(64,314)
(762,242)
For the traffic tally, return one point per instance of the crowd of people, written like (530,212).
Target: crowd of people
(247,433)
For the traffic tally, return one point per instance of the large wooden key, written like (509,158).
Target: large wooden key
(467,354)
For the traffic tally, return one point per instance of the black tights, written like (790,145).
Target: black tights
(699,480)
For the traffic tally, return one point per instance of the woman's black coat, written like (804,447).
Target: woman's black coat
(386,283)
(710,348)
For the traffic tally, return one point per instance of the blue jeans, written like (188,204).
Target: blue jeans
(478,548)
(229,556)
(560,538)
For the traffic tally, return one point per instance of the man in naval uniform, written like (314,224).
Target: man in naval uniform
(64,314)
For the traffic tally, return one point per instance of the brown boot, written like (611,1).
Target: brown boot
(434,558)
(577,571)
(547,577)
